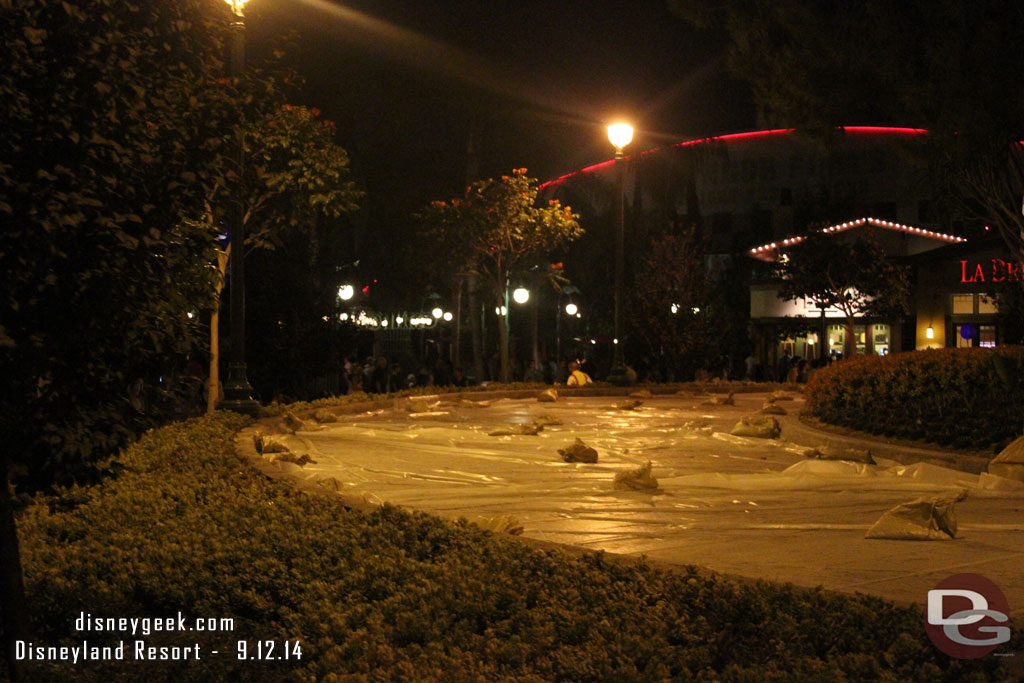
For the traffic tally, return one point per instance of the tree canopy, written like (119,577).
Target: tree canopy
(497,229)
(855,277)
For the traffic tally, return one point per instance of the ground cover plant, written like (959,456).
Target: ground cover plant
(392,595)
(966,398)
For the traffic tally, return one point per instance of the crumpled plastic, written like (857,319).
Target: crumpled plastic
(639,479)
(932,518)
(757,426)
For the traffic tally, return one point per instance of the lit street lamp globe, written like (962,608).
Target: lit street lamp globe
(346,292)
(437,313)
(620,134)
(521,295)
(447,316)
(570,308)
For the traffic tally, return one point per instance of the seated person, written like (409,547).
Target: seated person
(577,378)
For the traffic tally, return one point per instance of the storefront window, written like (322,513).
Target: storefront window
(987,335)
(987,305)
(881,339)
(963,304)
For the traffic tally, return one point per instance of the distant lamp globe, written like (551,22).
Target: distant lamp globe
(437,313)
(346,292)
(570,308)
(521,295)
(447,316)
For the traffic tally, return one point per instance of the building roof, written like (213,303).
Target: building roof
(768,252)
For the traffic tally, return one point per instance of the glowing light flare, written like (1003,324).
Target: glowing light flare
(521,295)
(437,313)
(346,292)
(237,6)
(929,333)
(447,317)
(620,134)
(571,308)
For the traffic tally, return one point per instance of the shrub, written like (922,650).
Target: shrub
(967,398)
(395,595)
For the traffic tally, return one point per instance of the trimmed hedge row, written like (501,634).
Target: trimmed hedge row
(967,398)
(394,595)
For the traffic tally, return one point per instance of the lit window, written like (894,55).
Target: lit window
(963,304)
(987,336)
(987,305)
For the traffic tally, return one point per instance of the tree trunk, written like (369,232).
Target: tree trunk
(213,394)
(476,333)
(12,591)
(213,383)
(503,322)
(456,350)
(503,341)
(850,345)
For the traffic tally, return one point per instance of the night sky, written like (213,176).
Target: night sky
(407,82)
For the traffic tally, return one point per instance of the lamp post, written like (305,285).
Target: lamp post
(237,390)
(620,135)
(570,309)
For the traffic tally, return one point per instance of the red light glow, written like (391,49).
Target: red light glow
(737,137)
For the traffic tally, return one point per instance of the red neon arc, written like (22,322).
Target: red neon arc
(749,135)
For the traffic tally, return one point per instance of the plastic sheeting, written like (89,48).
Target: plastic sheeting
(794,518)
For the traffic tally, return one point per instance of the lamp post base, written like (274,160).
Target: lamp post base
(622,375)
(245,406)
(238,392)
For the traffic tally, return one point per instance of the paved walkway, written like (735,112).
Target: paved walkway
(752,507)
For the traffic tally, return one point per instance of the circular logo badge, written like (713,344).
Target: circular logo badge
(967,616)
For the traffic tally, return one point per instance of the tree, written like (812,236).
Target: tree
(496,229)
(292,174)
(953,68)
(855,277)
(99,160)
(669,301)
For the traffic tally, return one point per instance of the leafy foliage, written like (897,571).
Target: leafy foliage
(396,595)
(497,229)
(855,277)
(670,301)
(958,397)
(97,174)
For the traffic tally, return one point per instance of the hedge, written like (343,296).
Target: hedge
(395,595)
(966,398)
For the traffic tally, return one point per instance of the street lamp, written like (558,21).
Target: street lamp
(346,292)
(521,295)
(620,135)
(571,309)
(237,390)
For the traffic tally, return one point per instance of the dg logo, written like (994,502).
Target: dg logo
(964,616)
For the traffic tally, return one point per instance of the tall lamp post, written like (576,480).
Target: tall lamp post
(237,390)
(620,135)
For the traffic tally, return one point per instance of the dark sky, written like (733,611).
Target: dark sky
(408,80)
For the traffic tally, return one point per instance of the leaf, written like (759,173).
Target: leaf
(35,36)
